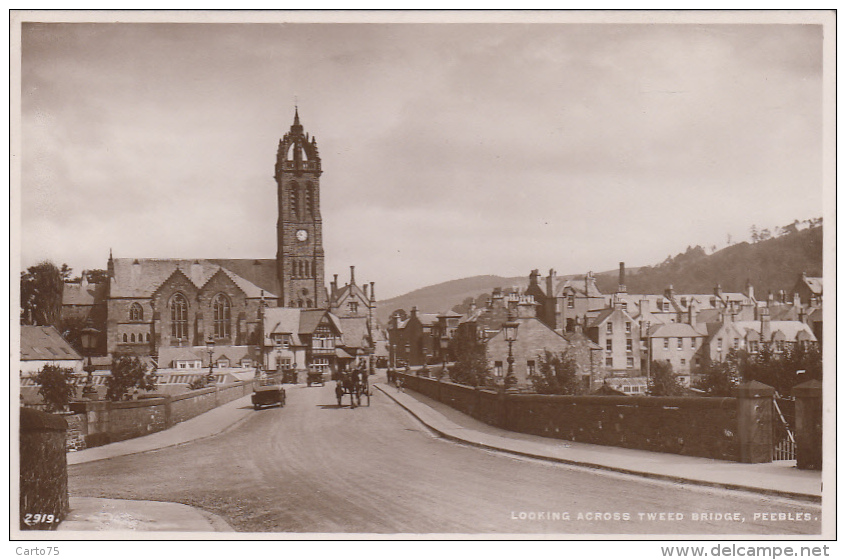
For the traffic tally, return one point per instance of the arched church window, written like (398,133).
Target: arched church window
(125,338)
(132,337)
(300,302)
(222,313)
(148,337)
(307,271)
(294,198)
(308,304)
(179,316)
(309,199)
(136,313)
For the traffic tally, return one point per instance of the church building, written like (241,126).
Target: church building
(167,309)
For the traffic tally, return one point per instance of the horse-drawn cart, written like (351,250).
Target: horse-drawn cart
(355,384)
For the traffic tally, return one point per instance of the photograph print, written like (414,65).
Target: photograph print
(422,275)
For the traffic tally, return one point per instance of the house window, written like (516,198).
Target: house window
(179,316)
(625,306)
(692,342)
(132,337)
(571,301)
(666,344)
(353,306)
(719,344)
(629,362)
(530,367)
(221,316)
(609,328)
(222,363)
(125,337)
(498,368)
(320,363)
(736,343)
(628,327)
(628,345)
(323,338)
(696,361)
(246,363)
(753,346)
(779,344)
(609,346)
(136,312)
(683,361)
(609,362)
(680,345)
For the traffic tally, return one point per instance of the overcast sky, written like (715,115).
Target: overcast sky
(449,150)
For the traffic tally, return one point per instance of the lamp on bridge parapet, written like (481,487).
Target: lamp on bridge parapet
(509,331)
(88,339)
(210,349)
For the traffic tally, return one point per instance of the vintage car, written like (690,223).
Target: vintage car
(268,395)
(315,377)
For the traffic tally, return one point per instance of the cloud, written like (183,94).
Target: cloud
(512,145)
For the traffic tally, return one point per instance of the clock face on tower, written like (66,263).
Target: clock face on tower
(302,235)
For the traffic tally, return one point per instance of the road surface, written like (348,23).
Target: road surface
(313,467)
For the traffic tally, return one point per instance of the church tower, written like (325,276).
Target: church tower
(299,229)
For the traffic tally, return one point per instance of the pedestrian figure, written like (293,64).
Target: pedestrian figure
(399,384)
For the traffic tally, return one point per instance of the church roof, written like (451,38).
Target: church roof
(140,278)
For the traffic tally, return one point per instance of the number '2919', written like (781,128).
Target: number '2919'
(39,519)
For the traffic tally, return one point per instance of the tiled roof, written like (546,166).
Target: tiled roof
(45,343)
(140,278)
(790,329)
(578,285)
(282,320)
(675,330)
(815,283)
(355,331)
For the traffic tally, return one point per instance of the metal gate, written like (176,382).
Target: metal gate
(784,444)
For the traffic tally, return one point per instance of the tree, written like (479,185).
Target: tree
(41,295)
(471,359)
(96,276)
(662,380)
(57,388)
(128,372)
(780,369)
(753,234)
(718,378)
(557,374)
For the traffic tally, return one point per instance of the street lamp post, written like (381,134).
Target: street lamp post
(210,349)
(509,329)
(88,338)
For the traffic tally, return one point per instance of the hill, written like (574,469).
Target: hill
(771,265)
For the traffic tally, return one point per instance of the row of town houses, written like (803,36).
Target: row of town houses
(616,337)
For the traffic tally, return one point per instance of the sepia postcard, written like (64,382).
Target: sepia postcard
(423,275)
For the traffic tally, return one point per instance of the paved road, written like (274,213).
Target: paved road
(313,467)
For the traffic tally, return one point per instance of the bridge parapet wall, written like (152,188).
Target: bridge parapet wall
(102,422)
(695,426)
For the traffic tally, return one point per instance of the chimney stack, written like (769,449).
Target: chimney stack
(352,276)
(750,290)
(372,293)
(550,283)
(622,282)
(766,333)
